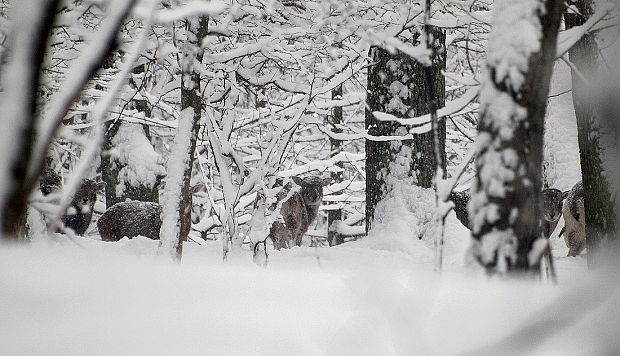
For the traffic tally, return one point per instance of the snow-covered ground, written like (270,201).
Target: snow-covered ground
(362,298)
(375,296)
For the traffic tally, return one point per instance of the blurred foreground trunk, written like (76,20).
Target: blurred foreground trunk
(28,43)
(24,149)
(506,200)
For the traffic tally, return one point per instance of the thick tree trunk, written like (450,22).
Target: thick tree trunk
(597,199)
(506,198)
(333,237)
(389,74)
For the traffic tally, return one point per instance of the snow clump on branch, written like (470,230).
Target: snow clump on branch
(141,165)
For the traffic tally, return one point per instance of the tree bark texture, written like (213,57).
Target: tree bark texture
(506,200)
(597,198)
(395,77)
(333,237)
(197,30)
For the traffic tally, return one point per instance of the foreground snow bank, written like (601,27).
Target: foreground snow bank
(121,298)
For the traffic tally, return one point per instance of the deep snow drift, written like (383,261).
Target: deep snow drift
(91,297)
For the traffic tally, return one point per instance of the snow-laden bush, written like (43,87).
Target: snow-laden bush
(141,165)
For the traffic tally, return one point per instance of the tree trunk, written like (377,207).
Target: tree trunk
(333,237)
(597,199)
(33,42)
(191,53)
(190,97)
(506,199)
(109,172)
(397,71)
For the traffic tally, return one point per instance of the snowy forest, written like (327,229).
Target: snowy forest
(309,177)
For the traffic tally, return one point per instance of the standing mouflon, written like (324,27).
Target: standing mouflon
(298,211)
(79,213)
(574,230)
(553,202)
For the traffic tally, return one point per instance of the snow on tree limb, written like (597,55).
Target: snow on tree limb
(568,38)
(194,8)
(454,107)
(391,43)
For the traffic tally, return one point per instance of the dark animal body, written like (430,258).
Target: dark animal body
(50,182)
(461,200)
(298,211)
(130,219)
(574,230)
(80,212)
(552,208)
